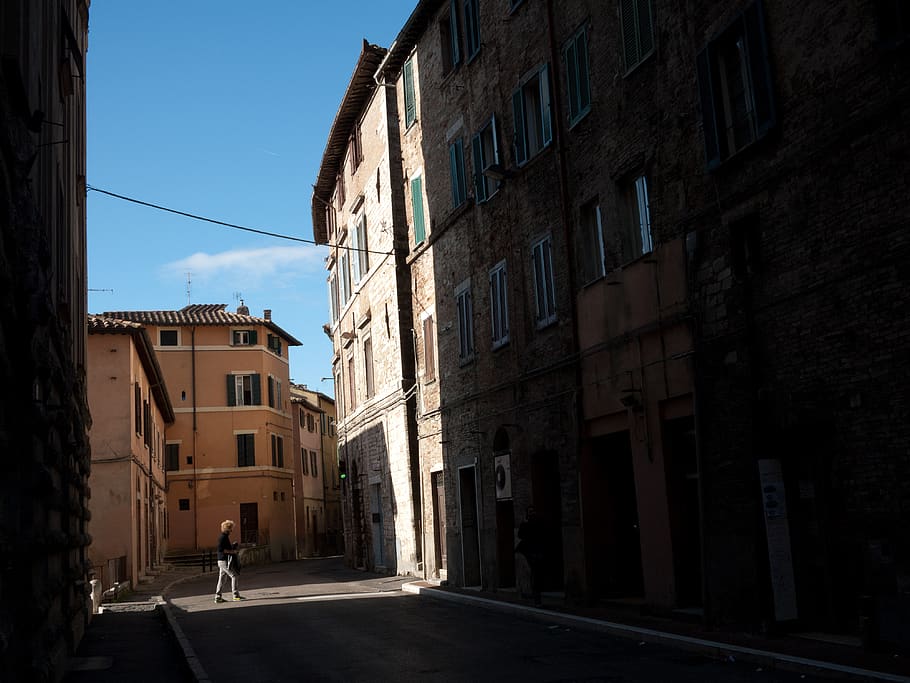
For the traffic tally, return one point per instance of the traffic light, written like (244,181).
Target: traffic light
(342,470)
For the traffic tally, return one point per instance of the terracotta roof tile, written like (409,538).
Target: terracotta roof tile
(200,314)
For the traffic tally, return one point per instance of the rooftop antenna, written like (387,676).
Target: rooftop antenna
(101,290)
(189,281)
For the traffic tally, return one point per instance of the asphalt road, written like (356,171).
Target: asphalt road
(316,621)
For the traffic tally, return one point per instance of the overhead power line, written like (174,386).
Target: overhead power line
(197,217)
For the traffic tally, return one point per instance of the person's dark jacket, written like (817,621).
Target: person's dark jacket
(224,543)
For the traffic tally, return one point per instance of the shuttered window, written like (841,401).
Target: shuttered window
(576,56)
(244,390)
(531,108)
(456,171)
(246,450)
(410,97)
(417,205)
(637,31)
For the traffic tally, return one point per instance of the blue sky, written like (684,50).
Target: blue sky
(220,109)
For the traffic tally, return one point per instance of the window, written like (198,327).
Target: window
(499,304)
(244,338)
(274,344)
(531,107)
(167,337)
(355,149)
(333,296)
(339,390)
(734,85)
(183,504)
(637,31)
(472,28)
(277,451)
(429,349)
(137,407)
(544,286)
(330,222)
(172,457)
(450,39)
(368,366)
(360,262)
(410,97)
(590,243)
(576,54)
(246,450)
(352,384)
(465,321)
(304,460)
(893,22)
(344,273)
(456,170)
(146,423)
(313,469)
(310,423)
(417,205)
(275,393)
(485,150)
(244,390)
(636,236)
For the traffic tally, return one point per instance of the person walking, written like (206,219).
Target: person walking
(227,561)
(531,545)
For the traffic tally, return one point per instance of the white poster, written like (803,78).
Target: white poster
(780,560)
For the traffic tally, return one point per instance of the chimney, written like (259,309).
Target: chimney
(267,314)
(242,309)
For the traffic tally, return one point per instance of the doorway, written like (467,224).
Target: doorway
(685,518)
(547,499)
(249,523)
(470,542)
(376,520)
(439,522)
(611,519)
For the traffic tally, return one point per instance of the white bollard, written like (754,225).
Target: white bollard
(96,596)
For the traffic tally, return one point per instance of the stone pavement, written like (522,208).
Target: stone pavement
(141,641)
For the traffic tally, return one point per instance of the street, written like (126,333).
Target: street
(316,620)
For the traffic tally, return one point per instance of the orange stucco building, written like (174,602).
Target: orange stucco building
(227,455)
(130,412)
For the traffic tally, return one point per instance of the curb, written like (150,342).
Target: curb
(709,647)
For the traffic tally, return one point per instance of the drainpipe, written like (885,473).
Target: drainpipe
(565,206)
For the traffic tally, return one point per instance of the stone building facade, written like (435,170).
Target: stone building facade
(654,261)
(310,476)
(358,212)
(44,416)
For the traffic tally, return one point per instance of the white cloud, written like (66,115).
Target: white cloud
(251,265)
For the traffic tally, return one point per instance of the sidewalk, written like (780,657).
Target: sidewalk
(133,640)
(141,641)
(831,657)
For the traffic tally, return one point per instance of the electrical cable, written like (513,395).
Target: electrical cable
(197,217)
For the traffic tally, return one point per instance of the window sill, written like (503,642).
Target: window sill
(581,117)
(631,70)
(500,345)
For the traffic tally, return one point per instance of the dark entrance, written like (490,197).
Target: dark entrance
(547,500)
(470,545)
(682,496)
(249,523)
(439,521)
(611,519)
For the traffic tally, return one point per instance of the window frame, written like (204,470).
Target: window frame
(544,281)
(591,243)
(369,378)
(171,456)
(427,330)
(252,337)
(480,164)
(410,93)
(457,174)
(471,15)
(464,309)
(499,304)
(277,442)
(578,84)
(418,213)
(246,449)
(174,330)
(529,119)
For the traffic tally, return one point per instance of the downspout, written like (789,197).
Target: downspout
(565,206)
(195,441)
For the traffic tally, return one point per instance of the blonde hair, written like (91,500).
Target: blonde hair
(227,525)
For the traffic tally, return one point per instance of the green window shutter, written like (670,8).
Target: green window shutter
(417,203)
(453,30)
(271,393)
(253,338)
(708,110)
(521,154)
(456,168)
(759,68)
(545,120)
(410,101)
(257,390)
(480,188)
(231,391)
(584,84)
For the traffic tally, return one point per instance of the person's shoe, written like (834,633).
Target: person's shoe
(218,598)
(238,597)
